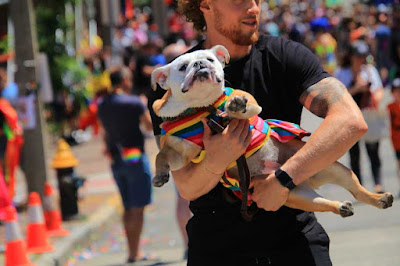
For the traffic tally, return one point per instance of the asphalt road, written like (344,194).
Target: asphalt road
(370,237)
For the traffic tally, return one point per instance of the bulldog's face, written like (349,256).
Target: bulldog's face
(195,79)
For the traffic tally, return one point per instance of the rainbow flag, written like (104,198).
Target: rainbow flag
(131,155)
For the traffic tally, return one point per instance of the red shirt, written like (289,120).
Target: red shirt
(394,109)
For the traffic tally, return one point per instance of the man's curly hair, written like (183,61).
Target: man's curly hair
(191,9)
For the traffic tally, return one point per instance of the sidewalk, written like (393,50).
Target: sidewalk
(100,202)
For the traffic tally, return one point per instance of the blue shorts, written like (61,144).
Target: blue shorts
(134,182)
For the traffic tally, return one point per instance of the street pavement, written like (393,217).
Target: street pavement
(370,237)
(98,199)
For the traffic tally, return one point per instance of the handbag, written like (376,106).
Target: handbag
(377,121)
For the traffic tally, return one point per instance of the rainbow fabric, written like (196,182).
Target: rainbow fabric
(13,132)
(131,155)
(191,128)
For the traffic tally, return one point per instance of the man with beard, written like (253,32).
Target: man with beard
(283,76)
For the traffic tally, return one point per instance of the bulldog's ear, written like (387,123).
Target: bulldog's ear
(160,75)
(221,53)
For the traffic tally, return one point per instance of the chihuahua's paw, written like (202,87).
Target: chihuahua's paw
(346,209)
(160,179)
(386,201)
(237,104)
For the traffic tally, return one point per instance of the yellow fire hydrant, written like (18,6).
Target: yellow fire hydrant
(64,162)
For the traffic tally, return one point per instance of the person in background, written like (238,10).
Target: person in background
(394,110)
(365,85)
(11,140)
(324,47)
(121,115)
(10,91)
(146,62)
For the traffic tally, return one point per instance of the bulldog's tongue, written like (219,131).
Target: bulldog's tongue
(188,81)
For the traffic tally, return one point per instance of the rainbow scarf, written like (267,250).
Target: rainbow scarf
(191,128)
(131,155)
(281,130)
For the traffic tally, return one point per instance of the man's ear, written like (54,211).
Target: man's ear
(221,53)
(160,75)
(205,6)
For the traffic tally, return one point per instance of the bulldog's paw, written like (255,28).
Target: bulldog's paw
(237,104)
(160,179)
(346,209)
(386,201)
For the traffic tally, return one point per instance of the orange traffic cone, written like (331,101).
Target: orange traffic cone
(15,254)
(51,214)
(36,238)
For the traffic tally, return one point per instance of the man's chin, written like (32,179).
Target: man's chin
(245,39)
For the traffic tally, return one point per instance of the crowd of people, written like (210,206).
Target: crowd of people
(358,43)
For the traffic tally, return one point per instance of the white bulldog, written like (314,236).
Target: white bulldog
(195,88)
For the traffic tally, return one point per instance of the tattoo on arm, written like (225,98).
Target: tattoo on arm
(319,97)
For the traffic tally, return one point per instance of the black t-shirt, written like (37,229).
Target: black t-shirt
(277,71)
(120,116)
(141,81)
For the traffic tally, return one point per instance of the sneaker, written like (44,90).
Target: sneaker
(130,260)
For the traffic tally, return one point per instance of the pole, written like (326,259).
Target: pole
(33,151)
(160,16)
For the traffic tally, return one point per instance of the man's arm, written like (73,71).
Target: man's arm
(342,127)
(145,119)
(340,130)
(195,180)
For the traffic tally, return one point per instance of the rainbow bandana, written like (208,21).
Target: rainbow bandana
(131,155)
(190,127)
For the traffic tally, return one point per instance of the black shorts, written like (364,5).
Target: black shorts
(219,244)
(398,155)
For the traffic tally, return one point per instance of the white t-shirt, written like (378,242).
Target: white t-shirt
(368,72)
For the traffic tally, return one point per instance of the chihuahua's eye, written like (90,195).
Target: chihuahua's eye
(210,59)
(183,67)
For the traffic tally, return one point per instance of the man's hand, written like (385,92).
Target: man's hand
(268,193)
(226,147)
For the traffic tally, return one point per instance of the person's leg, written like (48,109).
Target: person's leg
(132,217)
(138,195)
(373,154)
(355,160)
(133,224)
(398,168)
(398,173)
(183,215)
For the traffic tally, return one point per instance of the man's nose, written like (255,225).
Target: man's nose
(254,8)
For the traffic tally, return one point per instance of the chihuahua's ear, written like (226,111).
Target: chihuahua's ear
(221,53)
(160,75)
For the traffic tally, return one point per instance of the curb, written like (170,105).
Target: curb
(79,235)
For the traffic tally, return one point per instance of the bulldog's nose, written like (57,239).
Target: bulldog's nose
(199,65)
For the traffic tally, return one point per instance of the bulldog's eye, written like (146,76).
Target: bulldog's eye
(183,67)
(210,59)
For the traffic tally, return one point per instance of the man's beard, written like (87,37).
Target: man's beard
(234,33)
